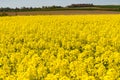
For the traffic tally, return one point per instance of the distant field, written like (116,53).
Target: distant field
(108,6)
(63,12)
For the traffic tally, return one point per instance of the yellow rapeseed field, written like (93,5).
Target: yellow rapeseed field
(59,47)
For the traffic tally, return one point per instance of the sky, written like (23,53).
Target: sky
(40,3)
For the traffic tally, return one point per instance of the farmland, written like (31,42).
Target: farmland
(73,9)
(60,12)
(60,47)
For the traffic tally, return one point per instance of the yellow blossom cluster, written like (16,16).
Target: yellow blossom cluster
(64,47)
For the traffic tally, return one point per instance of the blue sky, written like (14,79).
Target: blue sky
(39,3)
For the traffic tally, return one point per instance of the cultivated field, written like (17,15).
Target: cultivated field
(60,47)
(62,12)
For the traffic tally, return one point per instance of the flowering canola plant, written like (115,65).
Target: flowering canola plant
(74,47)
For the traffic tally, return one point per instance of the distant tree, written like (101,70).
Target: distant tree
(80,5)
(44,7)
(17,9)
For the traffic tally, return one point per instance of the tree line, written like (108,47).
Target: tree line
(8,9)
(54,7)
